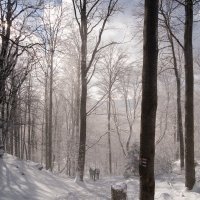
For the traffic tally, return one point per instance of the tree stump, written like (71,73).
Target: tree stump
(119,191)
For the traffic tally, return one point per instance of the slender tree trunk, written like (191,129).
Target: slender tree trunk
(24,131)
(2,88)
(83,114)
(19,125)
(59,140)
(82,142)
(189,93)
(3,118)
(130,121)
(129,137)
(15,130)
(77,124)
(180,139)
(117,129)
(15,117)
(8,148)
(21,137)
(149,101)
(46,123)
(73,136)
(33,140)
(11,137)
(51,112)
(29,120)
(109,130)
(42,143)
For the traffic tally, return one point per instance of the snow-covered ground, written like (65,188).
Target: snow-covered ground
(21,180)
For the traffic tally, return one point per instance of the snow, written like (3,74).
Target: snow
(22,180)
(120,187)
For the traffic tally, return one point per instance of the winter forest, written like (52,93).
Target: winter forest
(99,99)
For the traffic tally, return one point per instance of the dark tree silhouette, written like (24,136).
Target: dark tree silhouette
(189,96)
(149,101)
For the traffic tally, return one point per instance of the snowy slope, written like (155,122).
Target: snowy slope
(22,180)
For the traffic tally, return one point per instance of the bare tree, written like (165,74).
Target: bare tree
(15,33)
(88,19)
(13,44)
(167,10)
(114,64)
(131,92)
(52,28)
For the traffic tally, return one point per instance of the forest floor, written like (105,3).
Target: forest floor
(20,180)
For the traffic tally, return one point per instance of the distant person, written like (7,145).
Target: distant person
(92,173)
(97,173)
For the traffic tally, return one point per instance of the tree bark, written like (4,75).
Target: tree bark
(189,93)
(83,113)
(149,101)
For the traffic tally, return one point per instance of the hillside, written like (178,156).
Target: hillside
(22,180)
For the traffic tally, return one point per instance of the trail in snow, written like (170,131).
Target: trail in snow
(21,180)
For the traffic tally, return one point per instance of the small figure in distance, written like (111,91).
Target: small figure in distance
(92,173)
(97,173)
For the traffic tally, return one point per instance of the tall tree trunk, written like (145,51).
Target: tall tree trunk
(19,125)
(149,101)
(29,120)
(83,114)
(73,136)
(21,137)
(3,118)
(51,112)
(24,130)
(42,142)
(77,124)
(2,88)
(16,126)
(189,90)
(33,139)
(82,142)
(179,137)
(77,118)
(46,122)
(109,130)
(7,142)
(11,136)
